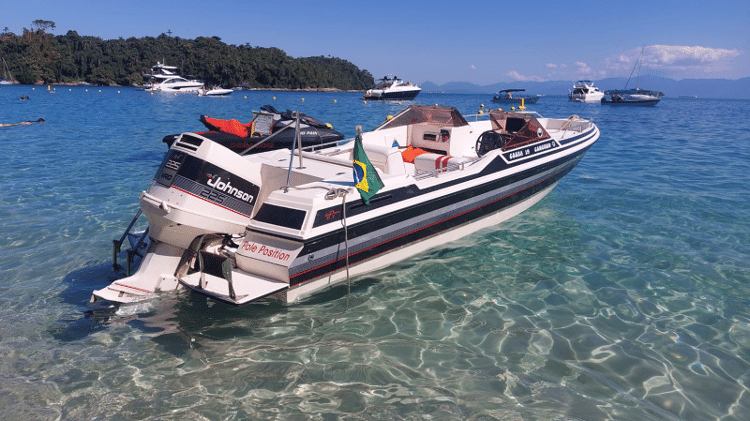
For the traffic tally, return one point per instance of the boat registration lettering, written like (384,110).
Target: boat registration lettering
(530,150)
(543,147)
(270,253)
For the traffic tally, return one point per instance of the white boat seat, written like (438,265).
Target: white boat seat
(433,161)
(386,158)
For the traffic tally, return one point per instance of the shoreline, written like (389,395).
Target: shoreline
(237,88)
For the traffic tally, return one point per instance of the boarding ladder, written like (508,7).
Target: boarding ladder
(134,250)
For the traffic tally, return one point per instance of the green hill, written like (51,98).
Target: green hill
(36,57)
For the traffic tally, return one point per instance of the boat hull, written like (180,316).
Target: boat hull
(399,235)
(631,103)
(393,95)
(408,250)
(217,92)
(586,98)
(526,100)
(183,89)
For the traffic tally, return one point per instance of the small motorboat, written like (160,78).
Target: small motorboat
(391,87)
(286,224)
(506,96)
(215,91)
(585,91)
(269,129)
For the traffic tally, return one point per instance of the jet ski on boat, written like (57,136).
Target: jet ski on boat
(269,129)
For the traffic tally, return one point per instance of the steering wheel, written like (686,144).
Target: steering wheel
(488,141)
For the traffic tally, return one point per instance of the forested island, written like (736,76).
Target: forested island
(38,57)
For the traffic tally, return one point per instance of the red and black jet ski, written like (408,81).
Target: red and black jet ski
(270,121)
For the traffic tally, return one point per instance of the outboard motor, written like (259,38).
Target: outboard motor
(200,188)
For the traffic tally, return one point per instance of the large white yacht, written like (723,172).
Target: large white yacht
(585,91)
(391,87)
(165,78)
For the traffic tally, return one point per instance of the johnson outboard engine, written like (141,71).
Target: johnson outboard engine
(201,190)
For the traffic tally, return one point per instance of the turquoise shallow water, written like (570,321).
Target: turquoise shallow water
(622,295)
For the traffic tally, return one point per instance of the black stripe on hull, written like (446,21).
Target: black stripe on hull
(499,198)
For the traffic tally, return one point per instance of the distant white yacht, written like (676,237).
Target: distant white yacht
(391,87)
(165,78)
(585,91)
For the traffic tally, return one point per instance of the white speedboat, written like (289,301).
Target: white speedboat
(215,91)
(391,87)
(585,91)
(285,224)
(165,79)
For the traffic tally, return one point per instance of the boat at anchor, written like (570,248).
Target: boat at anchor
(585,91)
(215,91)
(164,78)
(285,224)
(636,97)
(631,97)
(391,87)
(506,96)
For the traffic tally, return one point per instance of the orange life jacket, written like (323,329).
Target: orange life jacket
(232,126)
(410,153)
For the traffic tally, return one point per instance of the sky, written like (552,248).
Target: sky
(441,41)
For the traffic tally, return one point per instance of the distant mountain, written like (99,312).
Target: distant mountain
(702,88)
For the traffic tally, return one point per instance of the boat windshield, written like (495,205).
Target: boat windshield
(520,128)
(425,114)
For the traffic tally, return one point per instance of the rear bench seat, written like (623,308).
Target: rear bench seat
(434,161)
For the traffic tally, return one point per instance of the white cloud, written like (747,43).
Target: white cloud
(582,69)
(666,55)
(551,65)
(473,67)
(521,78)
(674,59)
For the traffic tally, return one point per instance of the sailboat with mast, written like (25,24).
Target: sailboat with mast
(7,78)
(634,97)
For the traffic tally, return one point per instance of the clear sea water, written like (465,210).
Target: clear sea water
(623,295)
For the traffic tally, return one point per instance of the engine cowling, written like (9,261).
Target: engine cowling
(201,187)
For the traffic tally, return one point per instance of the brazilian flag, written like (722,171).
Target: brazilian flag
(366,179)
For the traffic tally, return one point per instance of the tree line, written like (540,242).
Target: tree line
(37,57)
